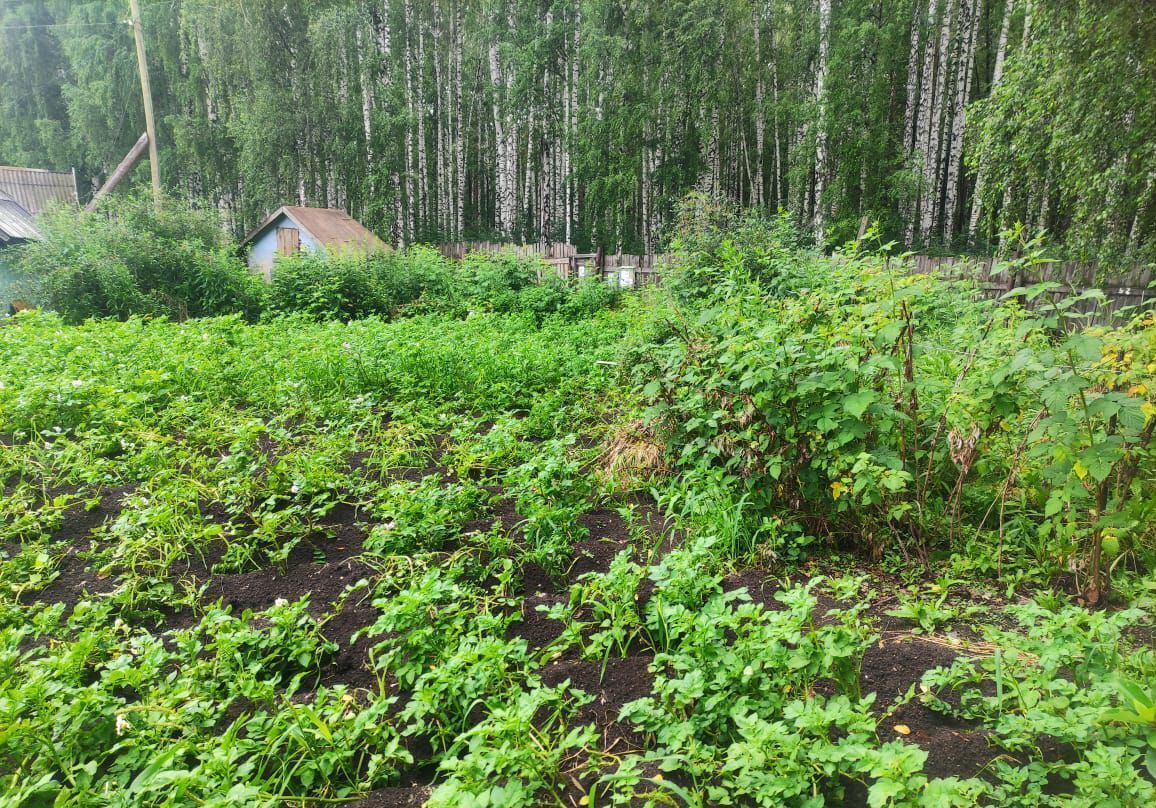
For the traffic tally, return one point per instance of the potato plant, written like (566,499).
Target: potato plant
(300,560)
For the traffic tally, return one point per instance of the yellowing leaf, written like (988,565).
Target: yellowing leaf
(1080,469)
(837,489)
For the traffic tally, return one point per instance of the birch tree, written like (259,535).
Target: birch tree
(821,123)
(587,121)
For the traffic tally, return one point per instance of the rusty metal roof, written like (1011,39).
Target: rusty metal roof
(16,224)
(334,228)
(35,189)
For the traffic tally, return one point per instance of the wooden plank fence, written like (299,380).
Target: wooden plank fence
(628,271)
(1131,288)
(1074,277)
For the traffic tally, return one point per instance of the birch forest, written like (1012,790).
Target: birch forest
(586,121)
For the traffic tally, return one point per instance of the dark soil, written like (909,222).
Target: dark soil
(325,565)
(304,575)
(75,579)
(535,627)
(890,668)
(623,681)
(759,583)
(398,797)
(608,536)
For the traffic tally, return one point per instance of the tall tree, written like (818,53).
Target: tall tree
(587,120)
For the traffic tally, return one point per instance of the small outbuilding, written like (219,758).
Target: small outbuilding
(290,230)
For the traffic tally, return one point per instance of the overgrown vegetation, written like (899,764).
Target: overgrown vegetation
(892,411)
(134,260)
(130,260)
(793,531)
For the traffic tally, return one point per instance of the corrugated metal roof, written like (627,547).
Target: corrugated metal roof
(35,189)
(16,224)
(334,228)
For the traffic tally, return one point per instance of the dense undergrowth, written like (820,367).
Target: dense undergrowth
(132,260)
(890,411)
(296,561)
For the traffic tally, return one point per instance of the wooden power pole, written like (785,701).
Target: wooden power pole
(146,91)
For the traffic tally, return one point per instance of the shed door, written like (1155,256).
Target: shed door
(288,240)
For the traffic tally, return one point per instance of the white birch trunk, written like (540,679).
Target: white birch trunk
(1136,232)
(422,143)
(933,165)
(713,157)
(439,189)
(778,179)
(459,126)
(757,184)
(412,207)
(996,79)
(572,129)
(366,87)
(502,225)
(969,17)
(911,114)
(820,223)
(923,129)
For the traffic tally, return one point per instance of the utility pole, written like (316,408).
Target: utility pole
(146,91)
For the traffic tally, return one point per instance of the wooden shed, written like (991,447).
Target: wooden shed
(290,230)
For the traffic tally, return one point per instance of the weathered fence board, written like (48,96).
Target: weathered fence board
(1073,277)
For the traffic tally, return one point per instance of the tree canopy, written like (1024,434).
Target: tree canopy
(587,120)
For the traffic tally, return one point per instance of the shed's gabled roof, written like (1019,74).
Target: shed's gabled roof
(333,228)
(16,224)
(34,189)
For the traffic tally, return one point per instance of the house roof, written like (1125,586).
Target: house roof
(34,189)
(16,223)
(333,228)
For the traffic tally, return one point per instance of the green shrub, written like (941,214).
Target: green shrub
(494,281)
(327,287)
(896,411)
(421,281)
(132,260)
(720,248)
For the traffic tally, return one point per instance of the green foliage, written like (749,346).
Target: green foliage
(1072,678)
(325,287)
(1069,130)
(431,460)
(132,260)
(881,408)
(420,281)
(721,249)
(501,768)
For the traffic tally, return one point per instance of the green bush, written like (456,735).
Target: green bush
(896,411)
(132,260)
(324,287)
(721,248)
(421,281)
(129,260)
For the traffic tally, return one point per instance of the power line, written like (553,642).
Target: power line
(126,23)
(62,25)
